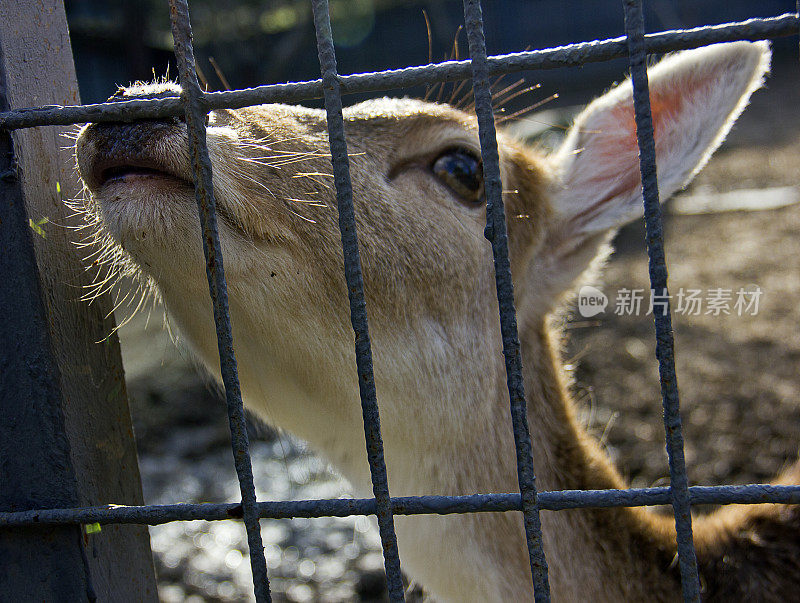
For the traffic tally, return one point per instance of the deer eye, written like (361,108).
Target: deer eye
(462,172)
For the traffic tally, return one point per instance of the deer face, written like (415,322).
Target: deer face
(418,188)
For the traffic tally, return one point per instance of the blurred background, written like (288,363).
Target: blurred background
(736,226)
(262,42)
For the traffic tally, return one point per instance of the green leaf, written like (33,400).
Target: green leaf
(92,528)
(37,226)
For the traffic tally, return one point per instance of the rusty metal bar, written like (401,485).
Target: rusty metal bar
(196,111)
(496,233)
(572,55)
(409,505)
(665,345)
(355,292)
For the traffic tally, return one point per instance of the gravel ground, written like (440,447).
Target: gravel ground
(738,376)
(185,456)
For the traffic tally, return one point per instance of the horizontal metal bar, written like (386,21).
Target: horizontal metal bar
(410,505)
(572,55)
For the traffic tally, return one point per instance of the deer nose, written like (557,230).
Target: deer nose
(151,92)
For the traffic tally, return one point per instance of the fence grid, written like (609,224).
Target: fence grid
(195,104)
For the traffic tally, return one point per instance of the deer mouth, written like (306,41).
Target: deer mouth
(140,174)
(137,173)
(139,155)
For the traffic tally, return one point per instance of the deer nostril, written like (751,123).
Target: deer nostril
(150,92)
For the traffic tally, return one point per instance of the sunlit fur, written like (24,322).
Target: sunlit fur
(433,312)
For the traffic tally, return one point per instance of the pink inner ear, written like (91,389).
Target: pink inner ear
(620,146)
(666,105)
(602,183)
(610,143)
(623,141)
(694,99)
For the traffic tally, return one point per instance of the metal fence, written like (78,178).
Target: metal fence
(195,104)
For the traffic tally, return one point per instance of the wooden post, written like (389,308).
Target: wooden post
(65,429)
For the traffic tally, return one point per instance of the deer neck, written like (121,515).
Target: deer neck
(594,554)
(566,457)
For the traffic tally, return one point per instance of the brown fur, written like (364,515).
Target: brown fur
(433,314)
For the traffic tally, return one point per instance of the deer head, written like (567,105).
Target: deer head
(429,283)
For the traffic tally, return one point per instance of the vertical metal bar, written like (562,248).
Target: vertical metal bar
(355,288)
(204,193)
(665,352)
(497,234)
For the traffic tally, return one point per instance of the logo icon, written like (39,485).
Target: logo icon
(591,301)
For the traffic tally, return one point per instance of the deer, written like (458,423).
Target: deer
(429,286)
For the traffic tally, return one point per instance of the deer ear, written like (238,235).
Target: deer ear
(695,98)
